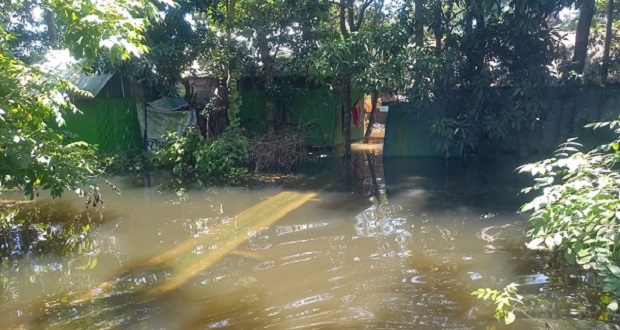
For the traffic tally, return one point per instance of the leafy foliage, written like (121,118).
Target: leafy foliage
(578,209)
(35,152)
(218,161)
(452,133)
(505,301)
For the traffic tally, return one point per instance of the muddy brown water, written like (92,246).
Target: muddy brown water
(400,245)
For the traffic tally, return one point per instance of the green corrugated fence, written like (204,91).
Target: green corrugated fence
(112,124)
(315,107)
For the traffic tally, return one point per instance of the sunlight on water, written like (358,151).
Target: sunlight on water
(401,252)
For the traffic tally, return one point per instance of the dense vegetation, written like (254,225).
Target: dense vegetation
(449,52)
(425,49)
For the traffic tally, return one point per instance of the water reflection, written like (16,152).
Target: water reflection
(404,250)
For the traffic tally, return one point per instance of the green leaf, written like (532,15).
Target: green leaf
(535,243)
(614,269)
(93,263)
(510,317)
(549,242)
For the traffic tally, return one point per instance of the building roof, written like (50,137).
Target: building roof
(61,64)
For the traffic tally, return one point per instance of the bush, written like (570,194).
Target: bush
(177,152)
(128,162)
(222,160)
(578,210)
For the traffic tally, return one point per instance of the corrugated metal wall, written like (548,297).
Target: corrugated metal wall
(314,106)
(408,133)
(110,123)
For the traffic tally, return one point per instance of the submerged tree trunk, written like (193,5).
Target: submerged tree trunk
(582,35)
(346,109)
(608,27)
(371,119)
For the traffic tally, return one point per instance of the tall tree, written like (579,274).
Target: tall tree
(586,13)
(351,18)
(176,42)
(608,36)
(276,30)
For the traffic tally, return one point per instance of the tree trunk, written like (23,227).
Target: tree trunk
(347,16)
(52,31)
(437,29)
(346,109)
(216,112)
(438,32)
(265,56)
(191,101)
(610,21)
(138,96)
(568,114)
(230,19)
(582,35)
(371,120)
(418,23)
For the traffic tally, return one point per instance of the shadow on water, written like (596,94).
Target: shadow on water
(397,243)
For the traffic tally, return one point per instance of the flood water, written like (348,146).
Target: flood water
(395,243)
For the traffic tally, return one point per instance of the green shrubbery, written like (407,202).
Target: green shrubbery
(220,161)
(577,212)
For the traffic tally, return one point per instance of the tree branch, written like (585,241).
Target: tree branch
(360,17)
(350,12)
(343,25)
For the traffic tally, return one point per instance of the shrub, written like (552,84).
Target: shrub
(221,160)
(177,153)
(578,210)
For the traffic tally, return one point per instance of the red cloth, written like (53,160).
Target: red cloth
(356,113)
